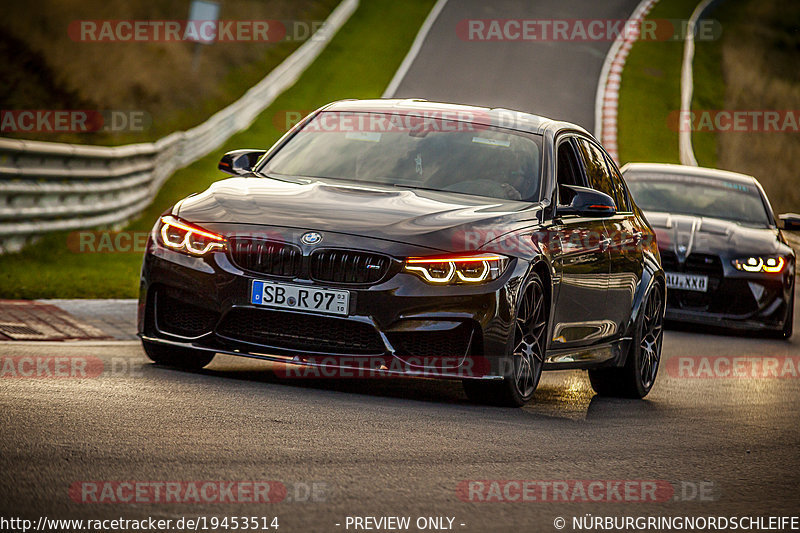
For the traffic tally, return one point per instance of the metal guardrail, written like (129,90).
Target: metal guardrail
(47,187)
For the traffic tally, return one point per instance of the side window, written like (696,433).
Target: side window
(568,171)
(596,169)
(622,197)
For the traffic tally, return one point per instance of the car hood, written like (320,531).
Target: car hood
(685,234)
(433,219)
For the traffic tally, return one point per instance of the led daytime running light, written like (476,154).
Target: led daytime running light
(491,266)
(771,265)
(187,243)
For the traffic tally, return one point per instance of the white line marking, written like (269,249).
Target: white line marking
(415,47)
(685,148)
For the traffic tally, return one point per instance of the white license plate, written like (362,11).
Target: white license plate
(687,282)
(300,297)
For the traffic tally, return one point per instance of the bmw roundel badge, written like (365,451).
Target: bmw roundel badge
(312,237)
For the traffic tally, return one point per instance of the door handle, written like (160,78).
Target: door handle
(605,243)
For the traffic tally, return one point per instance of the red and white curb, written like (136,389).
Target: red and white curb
(103,321)
(30,320)
(606,104)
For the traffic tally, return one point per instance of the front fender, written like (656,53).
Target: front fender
(652,274)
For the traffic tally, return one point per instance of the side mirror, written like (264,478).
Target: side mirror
(239,161)
(790,221)
(586,202)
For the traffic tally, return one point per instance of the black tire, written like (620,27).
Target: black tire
(177,356)
(526,349)
(637,377)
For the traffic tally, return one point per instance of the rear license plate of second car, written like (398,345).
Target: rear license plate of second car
(687,282)
(300,297)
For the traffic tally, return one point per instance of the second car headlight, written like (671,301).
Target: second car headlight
(463,268)
(769,264)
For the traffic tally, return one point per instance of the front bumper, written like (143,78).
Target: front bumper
(399,326)
(743,302)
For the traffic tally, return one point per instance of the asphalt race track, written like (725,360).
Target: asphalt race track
(719,433)
(728,445)
(556,79)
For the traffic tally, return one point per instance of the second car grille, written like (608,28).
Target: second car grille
(267,257)
(669,261)
(295,331)
(704,264)
(709,265)
(347,266)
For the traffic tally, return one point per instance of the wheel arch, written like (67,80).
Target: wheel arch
(652,275)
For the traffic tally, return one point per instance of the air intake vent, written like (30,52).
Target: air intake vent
(294,331)
(176,317)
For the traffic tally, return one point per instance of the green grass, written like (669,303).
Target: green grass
(650,94)
(754,67)
(358,63)
(750,65)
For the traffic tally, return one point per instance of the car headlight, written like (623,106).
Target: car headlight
(463,268)
(185,237)
(769,264)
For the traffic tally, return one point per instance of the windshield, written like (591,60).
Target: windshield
(410,150)
(699,196)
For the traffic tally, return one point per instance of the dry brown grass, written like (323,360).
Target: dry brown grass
(45,69)
(761,66)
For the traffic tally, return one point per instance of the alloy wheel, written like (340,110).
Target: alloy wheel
(529,340)
(651,337)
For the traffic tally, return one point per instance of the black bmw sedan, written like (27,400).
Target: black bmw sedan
(412,238)
(728,263)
